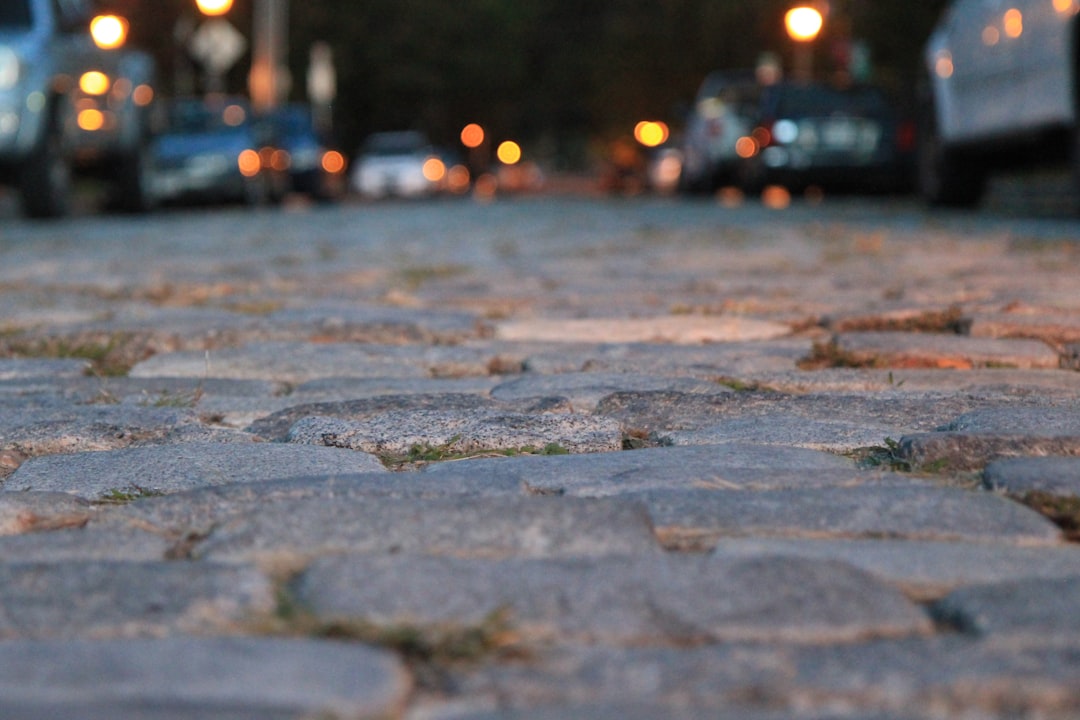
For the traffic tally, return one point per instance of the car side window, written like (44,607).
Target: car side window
(16,14)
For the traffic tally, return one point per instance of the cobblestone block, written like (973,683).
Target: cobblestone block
(135,472)
(81,599)
(458,527)
(700,518)
(215,678)
(619,600)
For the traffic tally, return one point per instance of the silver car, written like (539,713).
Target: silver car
(1001,90)
(722,114)
(401,164)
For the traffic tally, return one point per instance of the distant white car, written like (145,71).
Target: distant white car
(401,164)
(722,114)
(1003,89)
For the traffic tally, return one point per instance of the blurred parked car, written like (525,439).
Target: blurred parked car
(402,164)
(1002,91)
(723,112)
(313,169)
(825,135)
(209,151)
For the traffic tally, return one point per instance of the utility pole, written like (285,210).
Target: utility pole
(269,81)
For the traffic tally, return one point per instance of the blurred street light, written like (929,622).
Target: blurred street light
(214,8)
(472,136)
(109,31)
(268,81)
(803,25)
(651,133)
(508,152)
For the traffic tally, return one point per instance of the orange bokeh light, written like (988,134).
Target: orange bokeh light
(249,163)
(472,136)
(91,119)
(434,169)
(333,162)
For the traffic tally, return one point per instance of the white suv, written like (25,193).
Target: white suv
(1002,90)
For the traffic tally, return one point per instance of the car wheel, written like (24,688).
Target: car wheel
(256,191)
(944,178)
(133,185)
(46,180)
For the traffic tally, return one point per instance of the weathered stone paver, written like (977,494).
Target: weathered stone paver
(459,526)
(127,599)
(542,458)
(1043,611)
(976,438)
(1054,475)
(620,600)
(171,468)
(956,352)
(30,511)
(397,432)
(667,329)
(923,569)
(701,517)
(216,678)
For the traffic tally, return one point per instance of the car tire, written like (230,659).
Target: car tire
(133,184)
(46,182)
(944,177)
(256,192)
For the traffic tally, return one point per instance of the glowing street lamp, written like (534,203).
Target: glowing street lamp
(214,8)
(109,31)
(508,152)
(803,25)
(651,133)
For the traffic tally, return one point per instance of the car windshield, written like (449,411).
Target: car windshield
(15,14)
(820,100)
(402,143)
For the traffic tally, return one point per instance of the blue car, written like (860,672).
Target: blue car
(312,168)
(209,151)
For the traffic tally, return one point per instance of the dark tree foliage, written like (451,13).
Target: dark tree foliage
(553,73)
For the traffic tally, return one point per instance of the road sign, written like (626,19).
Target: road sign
(217,45)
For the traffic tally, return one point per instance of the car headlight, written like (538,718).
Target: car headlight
(10,68)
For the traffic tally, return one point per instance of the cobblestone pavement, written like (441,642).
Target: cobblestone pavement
(541,458)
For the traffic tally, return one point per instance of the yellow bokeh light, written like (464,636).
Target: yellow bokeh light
(803,23)
(214,7)
(1014,23)
(1064,6)
(472,136)
(651,133)
(508,152)
(94,82)
(109,31)
(434,169)
(91,119)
